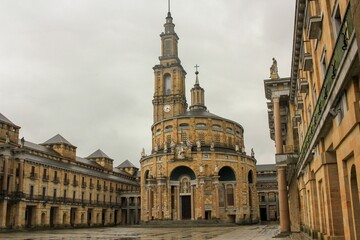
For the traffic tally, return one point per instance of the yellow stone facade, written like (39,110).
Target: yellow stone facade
(314,119)
(198,168)
(47,185)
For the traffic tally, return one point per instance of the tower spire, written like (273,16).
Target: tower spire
(168,5)
(197,94)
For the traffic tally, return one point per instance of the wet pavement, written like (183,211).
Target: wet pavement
(254,232)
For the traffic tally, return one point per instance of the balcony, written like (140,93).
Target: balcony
(75,183)
(45,178)
(83,184)
(66,182)
(304,86)
(33,176)
(300,103)
(339,52)
(307,62)
(98,187)
(111,189)
(91,186)
(314,27)
(56,180)
(105,188)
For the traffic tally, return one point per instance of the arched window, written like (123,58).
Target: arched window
(229,130)
(168,128)
(167,78)
(216,127)
(250,177)
(201,126)
(183,126)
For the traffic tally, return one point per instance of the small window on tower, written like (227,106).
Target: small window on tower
(167,85)
(167,47)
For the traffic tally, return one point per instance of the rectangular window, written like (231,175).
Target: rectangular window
(323,64)
(167,47)
(230,195)
(54,195)
(90,197)
(74,196)
(64,194)
(336,21)
(342,108)
(31,192)
(221,196)
(43,193)
(202,138)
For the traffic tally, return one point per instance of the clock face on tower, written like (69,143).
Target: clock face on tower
(167,108)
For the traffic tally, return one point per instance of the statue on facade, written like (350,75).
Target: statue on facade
(159,169)
(201,168)
(212,146)
(165,147)
(156,148)
(237,149)
(22,142)
(180,151)
(143,152)
(274,70)
(198,145)
(7,138)
(216,168)
(252,152)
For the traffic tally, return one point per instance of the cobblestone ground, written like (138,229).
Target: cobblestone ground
(254,232)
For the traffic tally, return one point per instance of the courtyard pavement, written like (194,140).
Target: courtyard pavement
(253,232)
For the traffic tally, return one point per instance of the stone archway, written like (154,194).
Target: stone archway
(43,219)
(182,193)
(227,178)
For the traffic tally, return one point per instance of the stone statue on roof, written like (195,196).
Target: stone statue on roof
(274,70)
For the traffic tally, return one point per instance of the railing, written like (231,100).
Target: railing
(56,180)
(111,189)
(33,176)
(75,183)
(66,182)
(91,186)
(83,184)
(105,188)
(45,178)
(98,187)
(341,46)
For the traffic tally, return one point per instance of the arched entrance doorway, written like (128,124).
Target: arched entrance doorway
(182,182)
(226,190)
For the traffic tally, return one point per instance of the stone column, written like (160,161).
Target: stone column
(283,200)
(21,176)
(202,204)
(277,124)
(159,200)
(127,210)
(3,209)
(192,202)
(136,210)
(178,203)
(216,197)
(6,173)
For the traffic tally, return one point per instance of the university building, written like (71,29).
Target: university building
(267,188)
(197,168)
(47,185)
(314,119)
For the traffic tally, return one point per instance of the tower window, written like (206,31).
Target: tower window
(201,126)
(167,47)
(167,85)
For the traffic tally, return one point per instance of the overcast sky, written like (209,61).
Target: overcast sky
(83,68)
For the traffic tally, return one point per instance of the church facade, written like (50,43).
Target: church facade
(198,168)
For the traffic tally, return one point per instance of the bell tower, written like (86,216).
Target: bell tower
(169,76)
